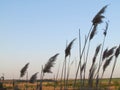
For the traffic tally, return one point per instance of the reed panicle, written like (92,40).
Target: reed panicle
(107,62)
(95,56)
(110,52)
(23,70)
(98,17)
(33,78)
(93,32)
(67,53)
(49,64)
(117,51)
(68,48)
(104,54)
(97,50)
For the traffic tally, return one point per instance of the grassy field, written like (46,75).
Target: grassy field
(8,84)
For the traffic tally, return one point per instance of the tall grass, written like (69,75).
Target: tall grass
(33,78)
(117,52)
(101,59)
(95,22)
(47,68)
(24,71)
(64,68)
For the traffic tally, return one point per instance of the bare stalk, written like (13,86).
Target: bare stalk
(65,75)
(86,61)
(26,80)
(61,86)
(79,64)
(112,71)
(68,72)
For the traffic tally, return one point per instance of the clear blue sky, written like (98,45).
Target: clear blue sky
(33,31)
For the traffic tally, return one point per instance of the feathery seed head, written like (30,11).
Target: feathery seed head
(107,63)
(96,53)
(23,70)
(98,18)
(68,48)
(117,52)
(104,54)
(97,49)
(93,32)
(108,53)
(49,64)
(33,78)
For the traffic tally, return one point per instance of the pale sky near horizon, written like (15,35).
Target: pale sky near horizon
(33,31)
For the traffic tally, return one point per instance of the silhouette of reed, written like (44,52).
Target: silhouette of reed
(47,68)
(33,78)
(24,70)
(117,52)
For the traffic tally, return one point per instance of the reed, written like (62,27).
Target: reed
(99,16)
(117,52)
(67,53)
(33,78)
(23,70)
(47,68)
(95,21)
(106,64)
(104,53)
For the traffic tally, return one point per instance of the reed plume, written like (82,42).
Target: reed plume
(68,48)
(104,54)
(67,53)
(95,56)
(117,52)
(98,17)
(49,64)
(33,78)
(110,52)
(106,64)
(93,32)
(96,52)
(23,70)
